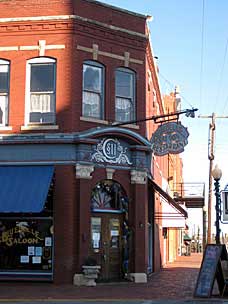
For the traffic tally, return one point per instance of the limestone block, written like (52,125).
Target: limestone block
(139,277)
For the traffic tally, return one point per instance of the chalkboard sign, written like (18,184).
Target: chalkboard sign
(207,273)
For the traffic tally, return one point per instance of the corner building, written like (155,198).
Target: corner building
(75,186)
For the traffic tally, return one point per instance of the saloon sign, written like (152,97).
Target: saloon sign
(170,137)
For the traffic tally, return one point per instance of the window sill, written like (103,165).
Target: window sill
(39,127)
(131,126)
(91,119)
(6,128)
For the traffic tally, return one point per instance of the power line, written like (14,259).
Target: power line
(172,86)
(221,77)
(202,53)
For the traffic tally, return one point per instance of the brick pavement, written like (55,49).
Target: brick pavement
(175,281)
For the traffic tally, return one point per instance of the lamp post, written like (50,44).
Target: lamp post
(217,174)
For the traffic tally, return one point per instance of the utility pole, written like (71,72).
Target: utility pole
(211,156)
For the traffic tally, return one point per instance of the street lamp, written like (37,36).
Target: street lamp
(217,174)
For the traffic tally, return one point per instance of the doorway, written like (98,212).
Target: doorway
(109,244)
(106,245)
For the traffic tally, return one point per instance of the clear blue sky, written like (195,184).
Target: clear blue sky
(190,39)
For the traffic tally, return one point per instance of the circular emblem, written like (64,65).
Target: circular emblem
(110,148)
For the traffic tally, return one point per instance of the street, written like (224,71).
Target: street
(173,285)
(198,301)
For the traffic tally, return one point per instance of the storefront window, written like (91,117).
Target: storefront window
(26,237)
(26,244)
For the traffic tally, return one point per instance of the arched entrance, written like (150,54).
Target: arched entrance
(109,229)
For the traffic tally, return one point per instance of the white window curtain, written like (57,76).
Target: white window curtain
(124,109)
(91,104)
(42,103)
(3,109)
(42,108)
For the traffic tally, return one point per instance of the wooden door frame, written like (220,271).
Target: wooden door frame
(104,251)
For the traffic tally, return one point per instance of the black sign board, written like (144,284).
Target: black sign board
(209,270)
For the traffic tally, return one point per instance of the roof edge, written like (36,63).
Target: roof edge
(118,9)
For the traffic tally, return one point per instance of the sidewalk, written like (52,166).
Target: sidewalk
(175,282)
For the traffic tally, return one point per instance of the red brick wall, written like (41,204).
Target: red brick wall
(25,8)
(105,14)
(65,218)
(70,60)
(83,8)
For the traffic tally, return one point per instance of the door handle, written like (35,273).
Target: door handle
(104,257)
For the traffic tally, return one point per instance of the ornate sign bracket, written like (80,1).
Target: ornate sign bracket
(161,118)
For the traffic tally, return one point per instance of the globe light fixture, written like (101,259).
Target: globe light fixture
(217,174)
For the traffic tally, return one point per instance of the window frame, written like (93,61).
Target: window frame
(5,114)
(95,64)
(132,98)
(30,62)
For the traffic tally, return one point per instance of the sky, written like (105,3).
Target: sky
(190,39)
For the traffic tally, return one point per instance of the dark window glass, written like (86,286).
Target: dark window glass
(4,78)
(124,84)
(42,77)
(92,78)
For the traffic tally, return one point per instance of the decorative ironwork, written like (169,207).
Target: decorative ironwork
(108,194)
(111,151)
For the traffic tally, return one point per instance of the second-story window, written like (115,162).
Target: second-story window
(41,91)
(125,95)
(93,90)
(4,92)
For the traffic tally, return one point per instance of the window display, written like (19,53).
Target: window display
(26,245)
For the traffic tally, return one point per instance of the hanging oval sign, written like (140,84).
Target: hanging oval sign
(170,137)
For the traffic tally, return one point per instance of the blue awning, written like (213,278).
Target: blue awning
(24,189)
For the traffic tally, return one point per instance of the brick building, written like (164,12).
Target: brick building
(74,184)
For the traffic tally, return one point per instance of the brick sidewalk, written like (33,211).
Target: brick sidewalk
(176,281)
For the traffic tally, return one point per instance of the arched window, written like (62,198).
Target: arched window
(109,195)
(93,90)
(40,91)
(125,109)
(4,92)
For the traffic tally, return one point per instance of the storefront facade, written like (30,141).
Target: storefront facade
(75,186)
(105,212)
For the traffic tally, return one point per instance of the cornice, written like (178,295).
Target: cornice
(90,135)
(37,26)
(65,19)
